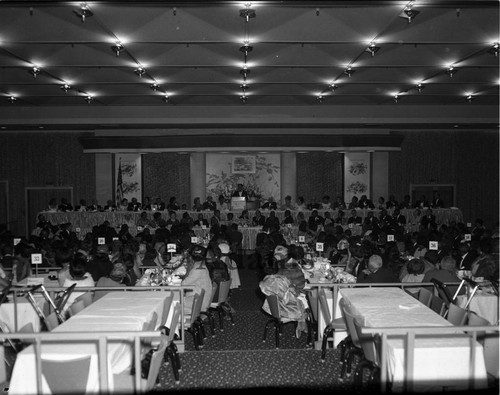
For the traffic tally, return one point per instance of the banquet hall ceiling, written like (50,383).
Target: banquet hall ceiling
(192,54)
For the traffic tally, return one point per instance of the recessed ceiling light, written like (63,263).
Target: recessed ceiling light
(451,71)
(349,71)
(65,87)
(140,71)
(12,99)
(83,12)
(372,48)
(89,99)
(494,49)
(117,48)
(34,71)
(420,87)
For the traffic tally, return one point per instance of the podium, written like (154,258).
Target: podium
(238,203)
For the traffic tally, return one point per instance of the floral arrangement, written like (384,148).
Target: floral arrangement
(358,168)
(357,187)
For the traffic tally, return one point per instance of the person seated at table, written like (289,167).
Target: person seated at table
(309,235)
(258,219)
(380,203)
(314,221)
(342,255)
(197,205)
(280,256)
(123,206)
(290,268)
(132,271)
(78,275)
(146,204)
(364,202)
(354,203)
(272,220)
(187,220)
(100,263)
(64,205)
(339,204)
(376,272)
(415,274)
(326,204)
(234,275)
(328,220)
(270,204)
(81,206)
(234,238)
(446,272)
(134,205)
(405,203)
(52,206)
(197,277)
(110,206)
(159,204)
(288,219)
(437,202)
(288,205)
(209,204)
(94,206)
(301,204)
(124,234)
(172,204)
(200,221)
(465,255)
(21,267)
(290,306)
(222,204)
(340,219)
(63,255)
(422,202)
(216,220)
(240,191)
(428,219)
(354,218)
(143,220)
(114,279)
(391,202)
(172,219)
(244,218)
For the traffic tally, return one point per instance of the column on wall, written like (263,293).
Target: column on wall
(103,178)
(288,175)
(198,175)
(380,175)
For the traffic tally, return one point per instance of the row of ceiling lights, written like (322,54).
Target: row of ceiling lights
(247,13)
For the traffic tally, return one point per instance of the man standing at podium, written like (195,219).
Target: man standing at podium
(240,192)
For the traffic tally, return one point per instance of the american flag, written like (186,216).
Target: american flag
(119,184)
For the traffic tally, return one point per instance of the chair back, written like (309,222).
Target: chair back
(312,301)
(272,301)
(324,305)
(425,296)
(76,307)
(156,361)
(68,376)
(51,321)
(456,315)
(368,343)
(437,305)
(474,320)
(86,298)
(196,308)
(63,297)
(443,291)
(150,325)
(349,320)
(224,287)
(176,316)
(166,308)
(215,287)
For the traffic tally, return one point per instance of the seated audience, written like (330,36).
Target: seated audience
(114,279)
(77,275)
(376,272)
(198,277)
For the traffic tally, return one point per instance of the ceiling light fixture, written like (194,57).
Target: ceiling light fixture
(246,48)
(247,12)
(118,48)
(89,99)
(154,86)
(409,13)
(244,72)
(420,87)
(395,98)
(243,99)
(494,49)
(372,48)
(451,71)
(166,99)
(320,99)
(12,99)
(65,87)
(83,12)
(469,98)
(349,71)
(34,71)
(140,71)
(332,87)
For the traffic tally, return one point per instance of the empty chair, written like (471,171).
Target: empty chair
(208,312)
(425,296)
(474,320)
(167,303)
(443,291)
(171,352)
(456,315)
(355,344)
(125,383)
(221,306)
(437,304)
(191,322)
(68,376)
(332,325)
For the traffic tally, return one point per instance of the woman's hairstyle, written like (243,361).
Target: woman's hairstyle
(416,266)
(296,252)
(78,266)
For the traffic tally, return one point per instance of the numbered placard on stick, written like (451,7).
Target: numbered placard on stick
(101,240)
(171,247)
(433,245)
(319,247)
(390,237)
(302,239)
(468,237)
(36,259)
(194,240)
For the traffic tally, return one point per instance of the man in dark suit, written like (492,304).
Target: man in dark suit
(240,191)
(465,256)
(376,272)
(437,202)
(428,219)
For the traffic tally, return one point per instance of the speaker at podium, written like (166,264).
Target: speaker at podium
(238,203)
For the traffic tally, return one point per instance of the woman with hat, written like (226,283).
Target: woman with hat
(231,265)
(197,277)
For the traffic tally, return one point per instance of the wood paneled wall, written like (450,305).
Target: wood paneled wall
(44,159)
(466,158)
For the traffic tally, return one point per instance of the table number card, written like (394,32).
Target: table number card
(194,240)
(433,245)
(171,247)
(469,224)
(468,237)
(101,240)
(302,239)
(319,247)
(115,238)
(351,225)
(36,259)
(390,237)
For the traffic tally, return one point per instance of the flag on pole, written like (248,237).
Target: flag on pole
(119,184)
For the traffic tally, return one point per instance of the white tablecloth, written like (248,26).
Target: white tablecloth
(483,304)
(116,311)
(25,313)
(439,362)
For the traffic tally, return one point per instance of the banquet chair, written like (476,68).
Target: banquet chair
(167,303)
(31,298)
(456,315)
(208,312)
(221,306)
(125,383)
(354,348)
(425,296)
(191,322)
(371,357)
(62,298)
(86,298)
(332,325)
(276,319)
(443,291)
(475,320)
(51,321)
(171,352)
(312,312)
(76,307)
(437,305)
(66,376)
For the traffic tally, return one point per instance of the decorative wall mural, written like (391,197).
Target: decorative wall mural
(128,176)
(263,183)
(357,175)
